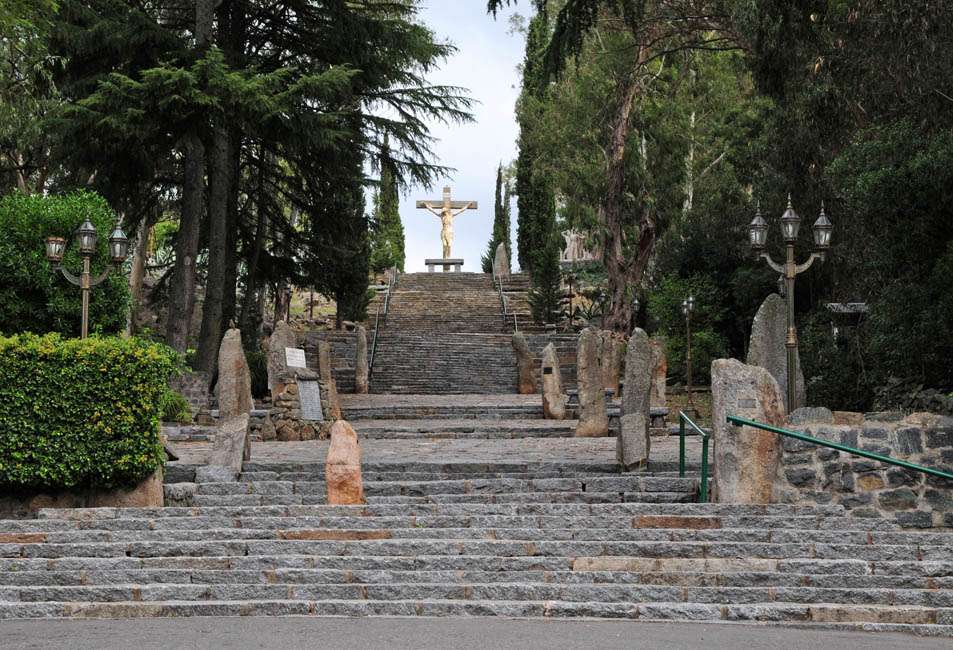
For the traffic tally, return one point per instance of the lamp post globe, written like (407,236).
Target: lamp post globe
(823,228)
(86,238)
(790,223)
(118,245)
(55,246)
(758,232)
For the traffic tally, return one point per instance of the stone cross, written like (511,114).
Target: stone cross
(444,209)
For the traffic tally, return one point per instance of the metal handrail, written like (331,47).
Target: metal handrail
(377,322)
(733,419)
(682,421)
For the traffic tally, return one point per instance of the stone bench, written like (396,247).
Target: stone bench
(455,262)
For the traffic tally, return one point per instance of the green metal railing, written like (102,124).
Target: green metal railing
(703,486)
(733,419)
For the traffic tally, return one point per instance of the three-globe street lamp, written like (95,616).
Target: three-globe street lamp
(688,307)
(789,270)
(86,238)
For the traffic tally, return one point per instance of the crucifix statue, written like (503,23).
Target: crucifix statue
(446,210)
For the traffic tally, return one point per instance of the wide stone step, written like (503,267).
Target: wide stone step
(627,483)
(491,498)
(601,550)
(317,532)
(730,577)
(928,621)
(492,591)
(538,509)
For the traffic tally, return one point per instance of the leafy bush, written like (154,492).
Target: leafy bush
(32,296)
(175,408)
(80,413)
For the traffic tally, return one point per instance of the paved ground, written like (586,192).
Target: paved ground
(577,450)
(426,634)
(381,400)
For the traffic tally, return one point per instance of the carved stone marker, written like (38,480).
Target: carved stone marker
(613,351)
(278,343)
(342,469)
(525,366)
(746,459)
(659,373)
(309,392)
(766,348)
(501,262)
(324,368)
(360,362)
(593,418)
(554,400)
(234,378)
(634,442)
(231,447)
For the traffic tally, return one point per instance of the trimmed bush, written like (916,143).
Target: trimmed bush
(80,413)
(32,297)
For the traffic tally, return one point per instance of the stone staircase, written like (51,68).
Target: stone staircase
(549,540)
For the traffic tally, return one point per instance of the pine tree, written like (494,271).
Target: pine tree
(501,222)
(387,237)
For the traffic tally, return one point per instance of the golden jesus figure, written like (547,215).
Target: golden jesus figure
(446,210)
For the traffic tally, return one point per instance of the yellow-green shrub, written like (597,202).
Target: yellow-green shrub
(80,413)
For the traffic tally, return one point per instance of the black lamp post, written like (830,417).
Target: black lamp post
(86,238)
(688,307)
(789,270)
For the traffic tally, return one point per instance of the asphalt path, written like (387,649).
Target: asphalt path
(433,633)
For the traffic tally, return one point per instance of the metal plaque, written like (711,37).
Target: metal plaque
(547,371)
(309,392)
(294,358)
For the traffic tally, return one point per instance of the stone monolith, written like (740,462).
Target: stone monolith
(658,396)
(613,352)
(283,337)
(525,365)
(234,378)
(554,400)
(632,445)
(746,459)
(593,418)
(360,362)
(342,469)
(766,348)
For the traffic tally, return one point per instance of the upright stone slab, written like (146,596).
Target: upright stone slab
(501,262)
(593,419)
(283,337)
(360,364)
(766,348)
(658,397)
(554,400)
(232,446)
(633,443)
(342,469)
(525,365)
(613,351)
(324,370)
(746,459)
(234,378)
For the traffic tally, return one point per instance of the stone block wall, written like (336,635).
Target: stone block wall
(813,474)
(284,421)
(343,353)
(194,387)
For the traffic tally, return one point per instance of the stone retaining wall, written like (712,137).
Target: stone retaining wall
(813,474)
(193,386)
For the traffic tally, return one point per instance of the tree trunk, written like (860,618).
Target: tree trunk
(137,274)
(182,289)
(623,271)
(220,167)
(231,260)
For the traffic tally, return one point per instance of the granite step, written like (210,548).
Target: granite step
(910,619)
(318,498)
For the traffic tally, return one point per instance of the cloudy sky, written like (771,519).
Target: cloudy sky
(485,63)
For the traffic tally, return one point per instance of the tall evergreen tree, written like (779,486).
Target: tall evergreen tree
(387,238)
(546,291)
(501,221)
(535,202)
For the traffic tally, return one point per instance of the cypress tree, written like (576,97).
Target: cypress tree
(546,291)
(501,222)
(387,239)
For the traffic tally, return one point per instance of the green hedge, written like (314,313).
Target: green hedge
(80,413)
(32,297)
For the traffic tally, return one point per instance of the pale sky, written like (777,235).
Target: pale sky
(486,63)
